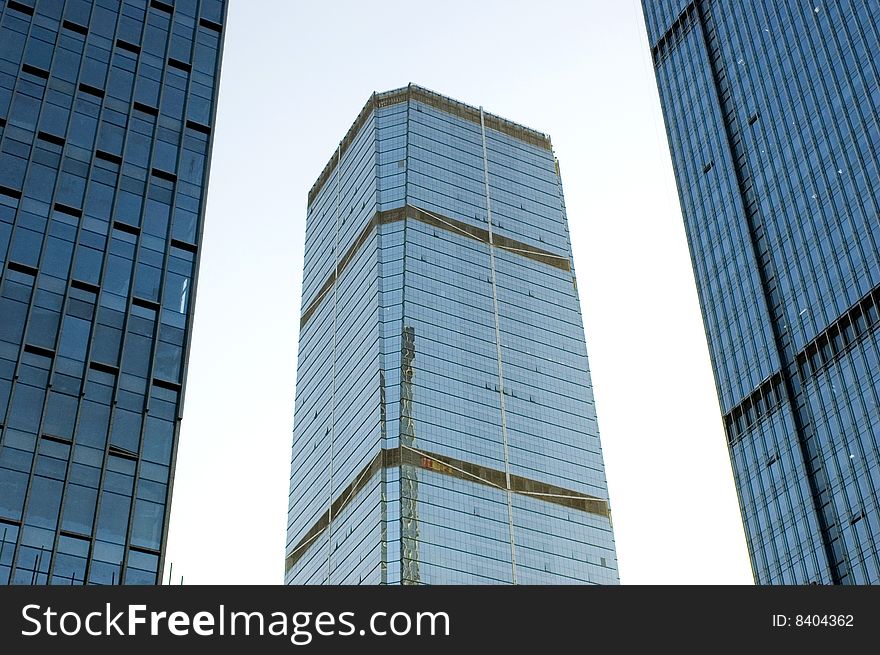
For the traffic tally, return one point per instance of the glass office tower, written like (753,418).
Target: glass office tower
(445,430)
(106,114)
(772,113)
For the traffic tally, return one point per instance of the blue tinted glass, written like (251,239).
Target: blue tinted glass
(771,112)
(86,266)
(444,412)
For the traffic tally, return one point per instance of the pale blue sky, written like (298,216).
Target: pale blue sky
(295,75)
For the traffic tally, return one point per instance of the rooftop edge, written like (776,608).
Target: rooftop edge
(432,99)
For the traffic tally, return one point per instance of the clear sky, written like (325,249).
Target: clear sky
(295,75)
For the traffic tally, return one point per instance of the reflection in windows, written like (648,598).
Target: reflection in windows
(85,305)
(158,440)
(79,508)
(60,415)
(126,431)
(26,408)
(13,486)
(113,517)
(94,421)
(70,562)
(168,361)
(44,502)
(176,293)
(146,529)
(141,568)
(43,326)
(15,294)
(106,563)
(8,537)
(87,264)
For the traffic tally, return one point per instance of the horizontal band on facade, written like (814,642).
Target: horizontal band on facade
(457,468)
(432,99)
(464,470)
(438,221)
(829,345)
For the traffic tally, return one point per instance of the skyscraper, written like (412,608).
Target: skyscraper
(106,116)
(445,430)
(772,113)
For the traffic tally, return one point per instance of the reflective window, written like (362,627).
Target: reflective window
(94,299)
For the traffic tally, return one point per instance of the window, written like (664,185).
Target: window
(94,422)
(126,432)
(43,325)
(117,278)
(58,255)
(74,337)
(146,529)
(60,415)
(13,485)
(44,502)
(87,266)
(158,441)
(70,560)
(79,509)
(113,519)
(141,567)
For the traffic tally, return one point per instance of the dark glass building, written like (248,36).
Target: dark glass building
(445,430)
(106,115)
(773,116)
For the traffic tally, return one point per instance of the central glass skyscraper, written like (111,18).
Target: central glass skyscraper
(773,115)
(106,116)
(445,430)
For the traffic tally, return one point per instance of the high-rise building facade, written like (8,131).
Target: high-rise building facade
(445,430)
(773,116)
(106,115)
